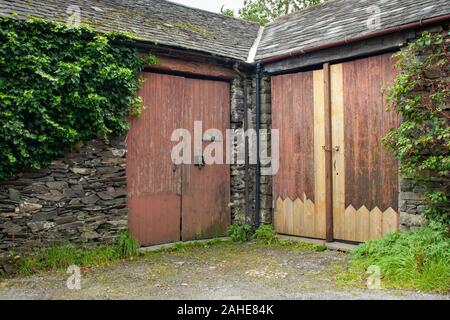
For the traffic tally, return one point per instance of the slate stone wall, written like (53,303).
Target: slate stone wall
(238,174)
(266,123)
(238,177)
(80,199)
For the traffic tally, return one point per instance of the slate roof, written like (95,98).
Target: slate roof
(166,23)
(155,21)
(339,19)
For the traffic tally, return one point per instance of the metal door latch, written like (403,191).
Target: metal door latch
(328,149)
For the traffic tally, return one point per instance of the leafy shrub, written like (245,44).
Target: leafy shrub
(266,235)
(415,260)
(420,95)
(240,232)
(59,86)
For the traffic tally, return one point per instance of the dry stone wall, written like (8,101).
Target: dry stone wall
(238,176)
(79,199)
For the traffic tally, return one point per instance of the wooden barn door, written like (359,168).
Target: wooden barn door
(169,203)
(365,179)
(206,195)
(299,186)
(154,184)
(335,178)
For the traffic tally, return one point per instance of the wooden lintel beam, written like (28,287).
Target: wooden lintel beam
(167,64)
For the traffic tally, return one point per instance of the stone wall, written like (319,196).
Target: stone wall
(80,199)
(266,123)
(238,171)
(238,174)
(413,202)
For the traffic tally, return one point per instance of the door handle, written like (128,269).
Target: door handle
(334,165)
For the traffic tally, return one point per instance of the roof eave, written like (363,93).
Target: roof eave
(378,33)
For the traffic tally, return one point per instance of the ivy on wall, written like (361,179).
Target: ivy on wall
(61,85)
(421,95)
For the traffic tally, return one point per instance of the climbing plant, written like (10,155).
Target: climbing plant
(421,96)
(61,85)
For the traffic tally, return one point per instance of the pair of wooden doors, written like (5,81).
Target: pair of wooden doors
(167,202)
(336,179)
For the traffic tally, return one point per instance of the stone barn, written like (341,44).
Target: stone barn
(315,77)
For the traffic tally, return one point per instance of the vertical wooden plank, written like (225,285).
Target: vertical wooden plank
(337,116)
(327,149)
(279,222)
(298,217)
(289,216)
(362,224)
(350,223)
(376,224)
(319,156)
(390,221)
(389,192)
(309,217)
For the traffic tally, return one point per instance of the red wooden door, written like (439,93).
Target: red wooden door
(365,172)
(364,194)
(206,193)
(297,107)
(169,203)
(154,188)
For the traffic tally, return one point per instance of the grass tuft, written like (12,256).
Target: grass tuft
(409,260)
(127,246)
(60,257)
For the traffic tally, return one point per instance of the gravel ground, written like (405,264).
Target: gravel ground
(216,273)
